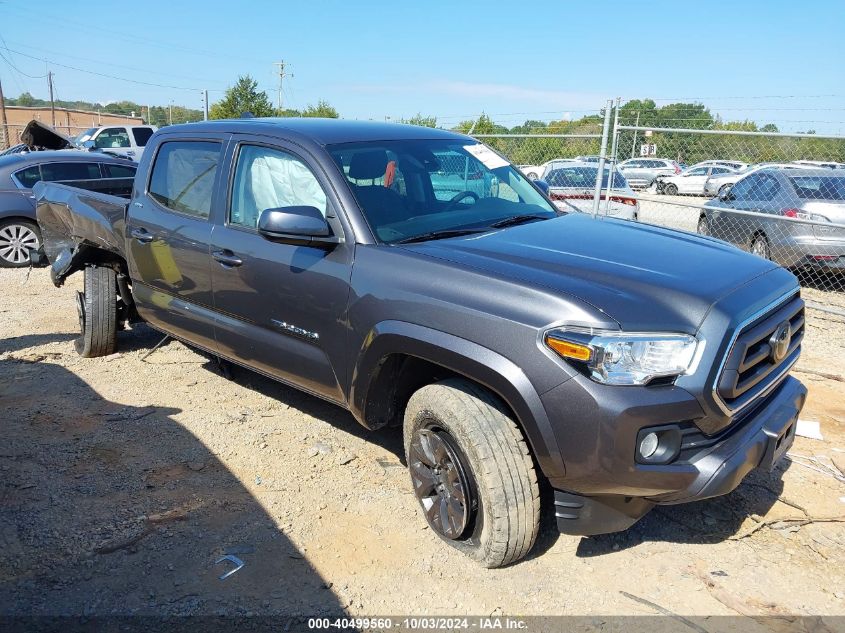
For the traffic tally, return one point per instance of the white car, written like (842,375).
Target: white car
(733,164)
(691,181)
(572,185)
(121,140)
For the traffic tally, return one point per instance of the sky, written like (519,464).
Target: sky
(768,61)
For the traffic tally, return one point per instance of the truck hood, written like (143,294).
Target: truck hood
(643,277)
(40,136)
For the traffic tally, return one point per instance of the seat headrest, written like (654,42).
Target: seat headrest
(368,165)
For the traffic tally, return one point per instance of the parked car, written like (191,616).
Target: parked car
(733,164)
(641,172)
(690,181)
(508,340)
(719,183)
(827,164)
(588,159)
(794,217)
(19,230)
(571,188)
(128,141)
(532,172)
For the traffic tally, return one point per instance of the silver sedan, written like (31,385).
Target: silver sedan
(794,217)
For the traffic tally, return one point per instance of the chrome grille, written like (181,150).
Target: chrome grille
(753,366)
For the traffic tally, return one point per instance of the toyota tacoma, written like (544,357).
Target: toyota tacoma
(625,365)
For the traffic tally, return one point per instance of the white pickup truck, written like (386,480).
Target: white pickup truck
(121,140)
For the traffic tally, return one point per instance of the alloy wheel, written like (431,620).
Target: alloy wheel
(440,482)
(15,242)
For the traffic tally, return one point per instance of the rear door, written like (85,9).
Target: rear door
(168,236)
(280,308)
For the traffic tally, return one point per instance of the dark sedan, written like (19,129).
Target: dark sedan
(19,231)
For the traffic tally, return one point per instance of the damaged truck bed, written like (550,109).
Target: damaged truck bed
(76,223)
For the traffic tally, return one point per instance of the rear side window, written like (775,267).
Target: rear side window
(183,176)
(112,137)
(70,171)
(819,187)
(142,135)
(29,176)
(118,171)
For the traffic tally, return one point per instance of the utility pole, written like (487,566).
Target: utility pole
(170,113)
(282,75)
(4,137)
(205,105)
(52,103)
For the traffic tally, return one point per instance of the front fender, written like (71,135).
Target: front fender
(478,363)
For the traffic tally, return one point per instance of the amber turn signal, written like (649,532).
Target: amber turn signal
(568,349)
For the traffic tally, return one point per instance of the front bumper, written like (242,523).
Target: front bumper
(621,491)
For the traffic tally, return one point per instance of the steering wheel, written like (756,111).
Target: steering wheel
(458,197)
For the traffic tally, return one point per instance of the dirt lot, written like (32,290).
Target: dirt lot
(124,480)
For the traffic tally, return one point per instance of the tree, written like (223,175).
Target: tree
(419,119)
(243,97)
(321,110)
(26,100)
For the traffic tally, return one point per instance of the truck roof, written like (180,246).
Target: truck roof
(320,131)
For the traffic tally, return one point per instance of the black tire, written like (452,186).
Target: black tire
(503,507)
(17,235)
(670,189)
(760,246)
(97,308)
(703,226)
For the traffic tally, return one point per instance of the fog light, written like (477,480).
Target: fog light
(648,446)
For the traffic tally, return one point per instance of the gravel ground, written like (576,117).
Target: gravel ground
(124,480)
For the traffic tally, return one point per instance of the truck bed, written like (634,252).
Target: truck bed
(73,217)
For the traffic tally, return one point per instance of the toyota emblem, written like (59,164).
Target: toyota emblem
(780,341)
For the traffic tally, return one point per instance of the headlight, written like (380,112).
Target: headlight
(620,358)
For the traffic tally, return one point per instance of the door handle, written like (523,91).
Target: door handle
(227,258)
(142,235)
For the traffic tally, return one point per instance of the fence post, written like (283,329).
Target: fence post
(602,151)
(613,150)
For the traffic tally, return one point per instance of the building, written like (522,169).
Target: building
(68,122)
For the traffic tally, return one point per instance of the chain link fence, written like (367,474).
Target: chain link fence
(779,196)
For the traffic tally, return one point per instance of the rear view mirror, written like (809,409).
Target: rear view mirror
(542,185)
(295,224)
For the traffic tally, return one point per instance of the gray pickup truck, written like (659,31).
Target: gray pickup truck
(623,365)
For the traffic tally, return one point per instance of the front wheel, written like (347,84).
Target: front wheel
(472,472)
(17,238)
(98,318)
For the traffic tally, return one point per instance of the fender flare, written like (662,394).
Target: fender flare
(485,366)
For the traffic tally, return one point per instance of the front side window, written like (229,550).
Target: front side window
(113,137)
(410,188)
(183,175)
(118,171)
(740,191)
(583,178)
(52,172)
(698,171)
(267,178)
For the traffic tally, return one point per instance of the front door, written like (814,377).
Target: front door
(280,307)
(168,233)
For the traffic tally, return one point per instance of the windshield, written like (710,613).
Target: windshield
(582,178)
(80,138)
(819,187)
(410,188)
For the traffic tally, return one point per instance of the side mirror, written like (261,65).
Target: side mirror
(725,194)
(298,224)
(542,185)
(89,145)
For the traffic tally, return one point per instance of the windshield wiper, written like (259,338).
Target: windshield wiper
(518,219)
(438,235)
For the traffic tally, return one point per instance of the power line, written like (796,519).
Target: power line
(98,74)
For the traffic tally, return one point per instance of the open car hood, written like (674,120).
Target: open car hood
(39,136)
